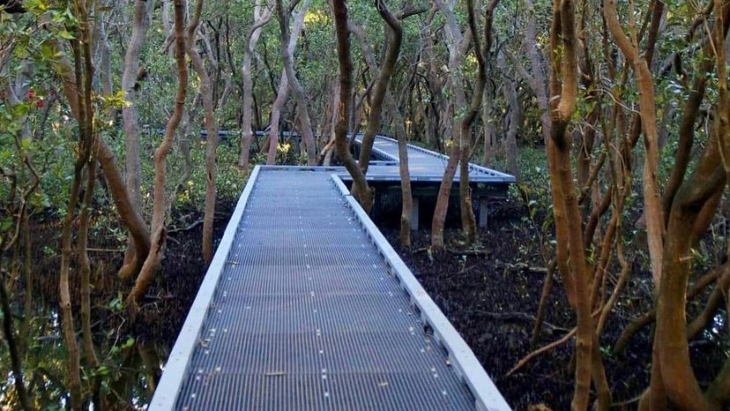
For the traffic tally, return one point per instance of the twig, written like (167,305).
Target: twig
(523,267)
(188,228)
(541,350)
(520,317)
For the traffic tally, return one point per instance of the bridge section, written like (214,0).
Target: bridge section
(426,169)
(307,307)
(423,165)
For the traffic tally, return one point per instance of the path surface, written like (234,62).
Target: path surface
(423,164)
(307,307)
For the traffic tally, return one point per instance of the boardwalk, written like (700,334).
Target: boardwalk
(424,165)
(307,307)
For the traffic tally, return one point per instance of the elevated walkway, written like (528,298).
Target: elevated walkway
(307,307)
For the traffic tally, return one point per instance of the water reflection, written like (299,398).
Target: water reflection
(125,380)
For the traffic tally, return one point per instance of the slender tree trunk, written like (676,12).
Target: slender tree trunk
(514,118)
(481,49)
(284,88)
(281,97)
(159,233)
(82,75)
(105,65)
(489,129)
(140,24)
(647,103)
(13,344)
(455,41)
(262,15)
(537,77)
(92,360)
(295,86)
(436,104)
(382,93)
(329,149)
(183,144)
(395,38)
(360,185)
(563,90)
(211,125)
(85,265)
(405,176)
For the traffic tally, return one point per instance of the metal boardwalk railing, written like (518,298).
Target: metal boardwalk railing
(307,307)
(423,164)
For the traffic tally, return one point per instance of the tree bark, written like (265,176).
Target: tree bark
(647,104)
(282,94)
(382,93)
(128,215)
(514,118)
(152,262)
(294,85)
(344,59)
(211,125)
(563,90)
(281,97)
(140,23)
(455,41)
(537,79)
(83,73)
(481,49)
(395,38)
(262,15)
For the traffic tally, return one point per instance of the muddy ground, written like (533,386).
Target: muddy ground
(491,295)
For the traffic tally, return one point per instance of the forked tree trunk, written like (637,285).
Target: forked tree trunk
(294,85)
(571,254)
(262,15)
(152,262)
(455,42)
(382,92)
(672,376)
(344,60)
(140,23)
(282,94)
(468,220)
(128,215)
(395,38)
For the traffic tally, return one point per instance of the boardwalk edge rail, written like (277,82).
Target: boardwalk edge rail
(462,358)
(181,355)
(497,175)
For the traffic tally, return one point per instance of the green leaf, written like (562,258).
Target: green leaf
(64,34)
